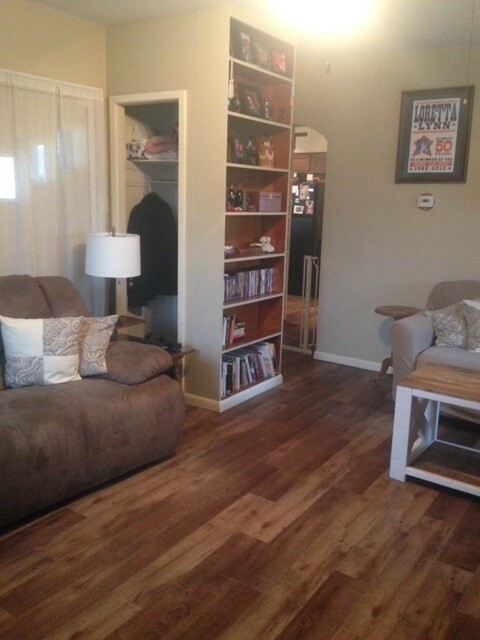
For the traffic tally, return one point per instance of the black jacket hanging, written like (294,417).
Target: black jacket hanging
(153,220)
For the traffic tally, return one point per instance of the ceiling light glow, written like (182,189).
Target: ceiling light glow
(325,17)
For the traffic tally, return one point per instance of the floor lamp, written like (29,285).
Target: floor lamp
(113,255)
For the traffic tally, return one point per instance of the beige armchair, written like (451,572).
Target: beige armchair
(413,339)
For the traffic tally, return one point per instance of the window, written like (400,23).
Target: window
(8,190)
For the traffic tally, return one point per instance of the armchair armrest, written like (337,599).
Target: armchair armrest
(135,362)
(409,337)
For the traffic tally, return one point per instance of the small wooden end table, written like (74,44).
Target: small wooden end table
(418,452)
(396,312)
(128,321)
(177,362)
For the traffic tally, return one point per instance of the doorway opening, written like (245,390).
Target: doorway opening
(137,175)
(306,215)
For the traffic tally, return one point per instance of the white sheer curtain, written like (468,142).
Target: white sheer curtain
(52,179)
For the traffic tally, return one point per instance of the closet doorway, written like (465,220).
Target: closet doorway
(148,156)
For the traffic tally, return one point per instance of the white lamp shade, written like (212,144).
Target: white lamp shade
(113,256)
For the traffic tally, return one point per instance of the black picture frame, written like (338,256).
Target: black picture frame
(241,43)
(434,135)
(279,62)
(251,101)
(237,149)
(262,57)
(251,151)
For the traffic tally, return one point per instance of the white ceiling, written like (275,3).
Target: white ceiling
(116,11)
(393,21)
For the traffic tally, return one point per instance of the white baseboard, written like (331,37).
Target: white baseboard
(237,398)
(349,362)
(201,402)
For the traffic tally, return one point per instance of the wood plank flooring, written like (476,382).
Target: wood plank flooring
(275,520)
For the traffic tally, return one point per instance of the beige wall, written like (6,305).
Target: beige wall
(40,41)
(178,52)
(378,248)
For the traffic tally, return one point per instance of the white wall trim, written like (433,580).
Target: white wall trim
(202,403)
(349,362)
(237,398)
(118,163)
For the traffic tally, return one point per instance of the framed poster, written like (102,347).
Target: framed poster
(434,135)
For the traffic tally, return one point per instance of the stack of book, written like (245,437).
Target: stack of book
(233,330)
(247,283)
(249,365)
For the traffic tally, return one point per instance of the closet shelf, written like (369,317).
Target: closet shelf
(147,161)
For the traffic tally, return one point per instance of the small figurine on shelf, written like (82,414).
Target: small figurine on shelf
(234,103)
(230,198)
(266,243)
(267,109)
(282,115)
(239,198)
(235,199)
(251,153)
(266,152)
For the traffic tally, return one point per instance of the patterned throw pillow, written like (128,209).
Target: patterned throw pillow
(95,338)
(449,325)
(41,351)
(472,315)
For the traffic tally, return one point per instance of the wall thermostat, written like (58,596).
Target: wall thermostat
(426,201)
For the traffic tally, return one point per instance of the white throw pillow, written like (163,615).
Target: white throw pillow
(449,325)
(472,315)
(41,351)
(95,338)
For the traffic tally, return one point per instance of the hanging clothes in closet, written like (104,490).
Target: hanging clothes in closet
(153,220)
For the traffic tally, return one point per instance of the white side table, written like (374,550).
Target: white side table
(422,454)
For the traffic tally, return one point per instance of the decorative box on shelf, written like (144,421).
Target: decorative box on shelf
(270,202)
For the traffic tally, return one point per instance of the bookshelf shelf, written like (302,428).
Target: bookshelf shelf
(263,124)
(253,300)
(249,258)
(244,214)
(246,167)
(249,342)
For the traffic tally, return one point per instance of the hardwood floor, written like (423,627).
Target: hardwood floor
(276,519)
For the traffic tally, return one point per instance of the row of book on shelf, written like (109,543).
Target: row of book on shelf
(247,366)
(247,283)
(233,330)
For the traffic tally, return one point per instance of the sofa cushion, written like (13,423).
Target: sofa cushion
(41,351)
(455,357)
(135,362)
(62,297)
(449,325)
(21,297)
(95,338)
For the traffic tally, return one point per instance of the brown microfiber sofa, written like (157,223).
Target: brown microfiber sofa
(61,439)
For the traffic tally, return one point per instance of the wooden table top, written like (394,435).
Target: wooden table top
(454,382)
(396,311)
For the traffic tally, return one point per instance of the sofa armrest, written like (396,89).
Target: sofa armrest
(135,362)
(409,337)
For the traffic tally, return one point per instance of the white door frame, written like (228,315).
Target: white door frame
(119,220)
